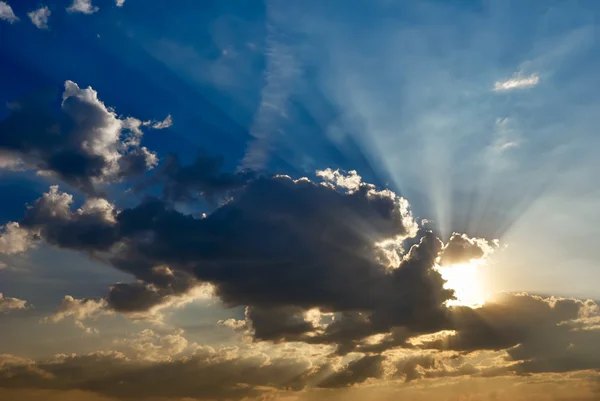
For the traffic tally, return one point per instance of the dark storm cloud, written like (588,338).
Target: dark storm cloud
(279,323)
(282,247)
(201,178)
(84,144)
(279,243)
(159,285)
(291,244)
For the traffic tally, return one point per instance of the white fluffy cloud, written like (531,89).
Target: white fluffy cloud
(82,6)
(518,82)
(39,17)
(6,13)
(120,3)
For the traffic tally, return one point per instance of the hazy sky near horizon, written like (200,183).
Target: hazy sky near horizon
(299,200)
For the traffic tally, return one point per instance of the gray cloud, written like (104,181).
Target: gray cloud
(537,331)
(284,248)
(87,144)
(202,178)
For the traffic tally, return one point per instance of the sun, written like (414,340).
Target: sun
(466,281)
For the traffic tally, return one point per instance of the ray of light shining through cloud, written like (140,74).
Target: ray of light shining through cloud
(299,200)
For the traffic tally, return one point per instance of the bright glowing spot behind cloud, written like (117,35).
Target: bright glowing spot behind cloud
(466,281)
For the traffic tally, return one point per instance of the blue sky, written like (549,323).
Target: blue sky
(483,115)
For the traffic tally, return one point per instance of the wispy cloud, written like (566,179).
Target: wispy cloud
(6,13)
(166,123)
(517,82)
(282,68)
(39,17)
(120,3)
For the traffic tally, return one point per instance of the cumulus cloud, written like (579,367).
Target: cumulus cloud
(149,346)
(120,3)
(82,6)
(85,146)
(278,244)
(350,181)
(7,13)
(40,17)
(14,239)
(9,304)
(79,310)
(460,248)
(518,82)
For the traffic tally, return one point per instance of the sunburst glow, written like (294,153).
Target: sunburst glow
(466,281)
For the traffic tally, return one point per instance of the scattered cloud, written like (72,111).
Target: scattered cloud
(6,13)
(82,6)
(40,17)
(166,123)
(120,3)
(9,304)
(80,310)
(518,82)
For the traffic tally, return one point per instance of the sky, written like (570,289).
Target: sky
(299,200)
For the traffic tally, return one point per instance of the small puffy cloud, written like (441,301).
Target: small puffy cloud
(518,82)
(120,3)
(460,248)
(351,181)
(8,304)
(82,6)
(14,239)
(39,17)
(78,309)
(6,13)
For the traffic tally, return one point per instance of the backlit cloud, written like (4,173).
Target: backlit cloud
(87,145)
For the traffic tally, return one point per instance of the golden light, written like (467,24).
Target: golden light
(466,281)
